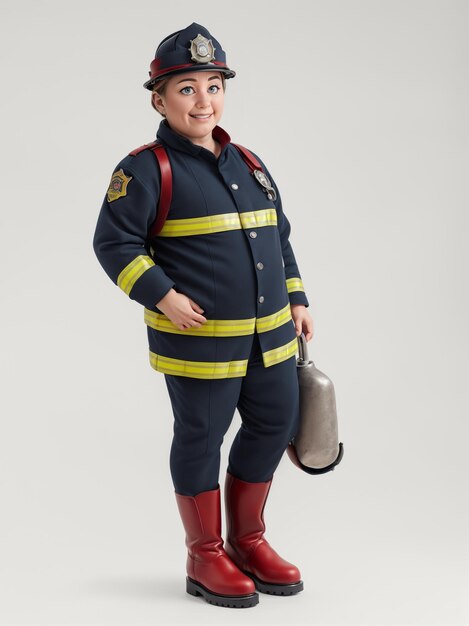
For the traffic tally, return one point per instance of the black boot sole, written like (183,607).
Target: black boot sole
(195,588)
(275,589)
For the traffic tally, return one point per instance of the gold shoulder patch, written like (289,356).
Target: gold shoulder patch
(118,185)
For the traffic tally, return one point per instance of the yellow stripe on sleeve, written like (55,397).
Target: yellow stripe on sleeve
(294,284)
(132,272)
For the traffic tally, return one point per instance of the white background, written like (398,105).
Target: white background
(359,110)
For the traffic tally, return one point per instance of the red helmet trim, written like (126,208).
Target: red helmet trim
(156,71)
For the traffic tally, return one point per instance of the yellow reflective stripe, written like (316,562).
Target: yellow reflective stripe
(132,272)
(269,322)
(282,353)
(200,225)
(198,369)
(210,328)
(218,223)
(220,328)
(294,284)
(264,217)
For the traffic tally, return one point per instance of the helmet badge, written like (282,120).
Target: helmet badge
(202,49)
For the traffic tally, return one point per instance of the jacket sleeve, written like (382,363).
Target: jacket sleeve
(120,237)
(295,287)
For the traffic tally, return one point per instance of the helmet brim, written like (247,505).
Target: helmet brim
(200,68)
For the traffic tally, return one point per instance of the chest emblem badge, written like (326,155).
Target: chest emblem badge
(118,185)
(266,184)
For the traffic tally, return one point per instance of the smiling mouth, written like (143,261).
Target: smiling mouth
(201,117)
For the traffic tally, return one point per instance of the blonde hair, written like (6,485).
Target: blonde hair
(160,88)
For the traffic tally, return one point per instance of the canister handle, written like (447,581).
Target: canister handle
(303,358)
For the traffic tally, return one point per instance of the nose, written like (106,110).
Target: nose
(203,99)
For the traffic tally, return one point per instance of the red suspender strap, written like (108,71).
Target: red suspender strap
(166,188)
(250,159)
(144,147)
(166,184)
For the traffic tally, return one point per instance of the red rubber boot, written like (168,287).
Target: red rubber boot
(210,571)
(245,542)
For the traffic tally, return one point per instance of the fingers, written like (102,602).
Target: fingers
(309,329)
(193,323)
(195,306)
(193,315)
(197,312)
(304,325)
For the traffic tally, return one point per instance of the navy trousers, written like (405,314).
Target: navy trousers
(267,399)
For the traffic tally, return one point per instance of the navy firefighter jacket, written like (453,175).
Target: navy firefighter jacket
(224,244)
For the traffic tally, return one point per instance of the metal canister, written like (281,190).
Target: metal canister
(315,448)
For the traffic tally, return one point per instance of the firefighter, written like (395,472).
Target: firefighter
(223,303)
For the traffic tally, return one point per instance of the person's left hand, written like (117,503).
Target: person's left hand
(302,320)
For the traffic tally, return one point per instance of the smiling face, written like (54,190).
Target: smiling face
(192,103)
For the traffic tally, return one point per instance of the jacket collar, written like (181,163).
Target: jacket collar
(171,138)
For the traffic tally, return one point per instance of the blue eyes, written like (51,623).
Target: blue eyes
(189,87)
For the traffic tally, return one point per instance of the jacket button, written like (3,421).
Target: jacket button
(260,265)
(261,298)
(234,186)
(253,234)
